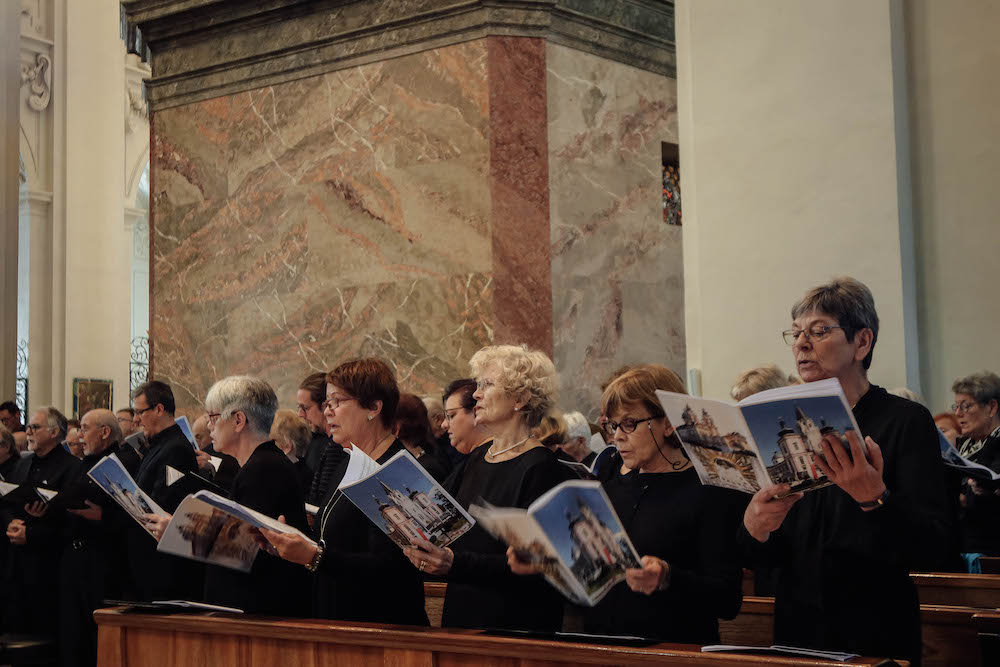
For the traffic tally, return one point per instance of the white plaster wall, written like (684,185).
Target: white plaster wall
(954,56)
(788,147)
(97,244)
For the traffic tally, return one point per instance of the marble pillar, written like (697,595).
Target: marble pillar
(447,180)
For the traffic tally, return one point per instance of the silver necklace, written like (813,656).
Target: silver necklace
(504,451)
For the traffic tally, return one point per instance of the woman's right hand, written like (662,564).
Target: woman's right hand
(518,566)
(293,548)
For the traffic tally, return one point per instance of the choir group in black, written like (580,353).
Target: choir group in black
(842,553)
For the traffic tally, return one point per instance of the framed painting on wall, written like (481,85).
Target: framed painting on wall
(89,394)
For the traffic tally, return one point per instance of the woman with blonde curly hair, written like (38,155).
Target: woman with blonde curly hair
(516,388)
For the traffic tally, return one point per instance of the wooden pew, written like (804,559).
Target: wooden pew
(948,632)
(959,590)
(989,564)
(154,640)
(988,629)
(434,601)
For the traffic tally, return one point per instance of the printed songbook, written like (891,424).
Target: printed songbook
(111,476)
(573,533)
(403,500)
(953,459)
(769,438)
(209,528)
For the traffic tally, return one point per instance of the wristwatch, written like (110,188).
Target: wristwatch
(878,502)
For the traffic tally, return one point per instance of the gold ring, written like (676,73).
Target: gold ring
(423,564)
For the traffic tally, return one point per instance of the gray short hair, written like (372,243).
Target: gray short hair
(983,386)
(244,393)
(55,419)
(523,372)
(847,300)
(755,380)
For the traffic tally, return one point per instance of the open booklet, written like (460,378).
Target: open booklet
(403,500)
(209,528)
(111,476)
(24,494)
(953,459)
(194,481)
(573,533)
(769,438)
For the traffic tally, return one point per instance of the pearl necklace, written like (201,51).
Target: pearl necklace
(504,451)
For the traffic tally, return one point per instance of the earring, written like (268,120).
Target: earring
(371,417)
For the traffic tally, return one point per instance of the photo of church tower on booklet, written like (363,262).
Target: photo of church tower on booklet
(795,459)
(409,514)
(597,551)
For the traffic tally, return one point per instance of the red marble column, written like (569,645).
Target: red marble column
(519,190)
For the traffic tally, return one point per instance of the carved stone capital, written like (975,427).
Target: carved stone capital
(38,76)
(206,48)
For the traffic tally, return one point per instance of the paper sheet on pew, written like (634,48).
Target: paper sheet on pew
(211,529)
(781,650)
(573,533)
(769,438)
(955,460)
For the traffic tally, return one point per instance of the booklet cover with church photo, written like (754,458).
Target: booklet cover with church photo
(573,533)
(209,528)
(405,502)
(769,438)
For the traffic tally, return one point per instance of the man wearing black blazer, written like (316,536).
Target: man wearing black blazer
(158,576)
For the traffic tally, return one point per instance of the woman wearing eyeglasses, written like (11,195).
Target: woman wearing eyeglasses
(515,388)
(361,575)
(690,575)
(977,408)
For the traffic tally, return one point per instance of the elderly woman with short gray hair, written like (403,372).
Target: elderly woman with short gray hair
(845,550)
(240,413)
(977,409)
(516,388)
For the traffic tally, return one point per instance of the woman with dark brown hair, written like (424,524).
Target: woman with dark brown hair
(413,428)
(361,575)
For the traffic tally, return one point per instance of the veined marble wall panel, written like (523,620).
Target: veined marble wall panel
(303,224)
(617,270)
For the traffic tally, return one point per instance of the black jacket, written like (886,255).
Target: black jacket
(844,578)
(160,576)
(980,518)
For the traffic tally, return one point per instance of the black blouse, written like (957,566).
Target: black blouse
(672,516)
(482,591)
(363,575)
(269,484)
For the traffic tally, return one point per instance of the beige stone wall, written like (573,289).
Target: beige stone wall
(787,118)
(953,57)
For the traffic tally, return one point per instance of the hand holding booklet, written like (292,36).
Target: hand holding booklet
(111,476)
(773,437)
(209,528)
(572,533)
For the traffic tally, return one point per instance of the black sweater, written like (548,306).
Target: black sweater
(268,483)
(673,517)
(363,576)
(980,518)
(482,591)
(159,576)
(844,580)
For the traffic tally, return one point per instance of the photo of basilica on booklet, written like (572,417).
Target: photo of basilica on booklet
(408,505)
(770,438)
(111,476)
